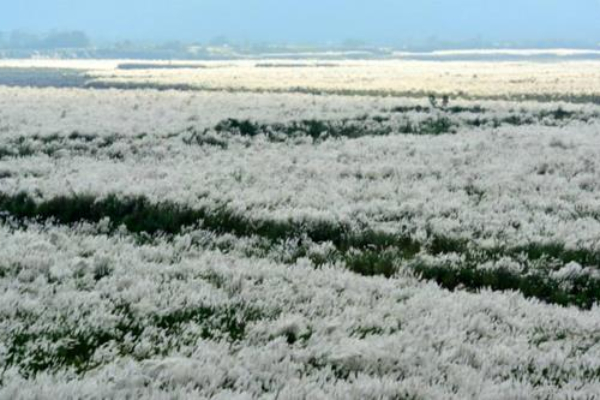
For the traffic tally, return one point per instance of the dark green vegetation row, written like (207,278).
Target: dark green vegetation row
(356,128)
(74,347)
(49,145)
(444,122)
(366,252)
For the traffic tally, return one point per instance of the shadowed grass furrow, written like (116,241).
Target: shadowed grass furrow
(366,252)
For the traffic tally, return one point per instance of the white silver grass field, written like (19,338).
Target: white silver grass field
(211,233)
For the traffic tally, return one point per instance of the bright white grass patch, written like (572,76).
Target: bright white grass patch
(318,332)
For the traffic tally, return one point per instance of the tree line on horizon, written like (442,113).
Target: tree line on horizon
(23,40)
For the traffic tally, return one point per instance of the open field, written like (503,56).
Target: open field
(300,229)
(553,80)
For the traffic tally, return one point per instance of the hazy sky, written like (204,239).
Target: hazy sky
(383,21)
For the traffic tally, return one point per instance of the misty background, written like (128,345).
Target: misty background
(258,24)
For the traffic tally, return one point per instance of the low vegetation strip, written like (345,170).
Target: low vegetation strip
(576,98)
(366,252)
(139,215)
(146,66)
(74,348)
(442,120)
(334,129)
(431,120)
(55,143)
(581,290)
